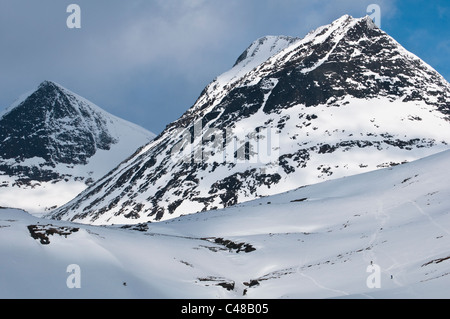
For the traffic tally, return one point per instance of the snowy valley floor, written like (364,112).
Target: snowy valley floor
(314,242)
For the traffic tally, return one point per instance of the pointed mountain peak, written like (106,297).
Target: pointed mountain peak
(47,83)
(51,86)
(366,24)
(53,136)
(347,21)
(52,99)
(57,125)
(342,26)
(266,47)
(46,86)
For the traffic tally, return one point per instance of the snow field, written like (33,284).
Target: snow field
(313,242)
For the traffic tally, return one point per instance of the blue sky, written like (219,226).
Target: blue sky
(148,60)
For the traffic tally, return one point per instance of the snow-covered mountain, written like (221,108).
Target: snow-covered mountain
(381,234)
(54,143)
(345,99)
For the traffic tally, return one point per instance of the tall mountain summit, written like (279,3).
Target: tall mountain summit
(345,99)
(54,143)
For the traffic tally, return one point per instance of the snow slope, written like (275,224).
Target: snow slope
(313,242)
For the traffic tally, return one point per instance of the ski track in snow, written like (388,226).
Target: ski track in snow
(340,292)
(445,230)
